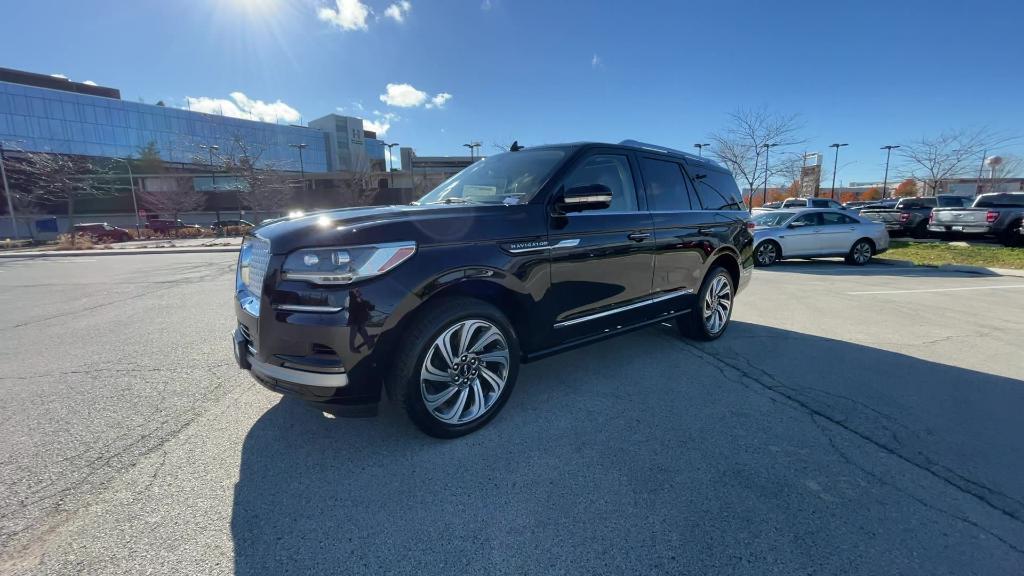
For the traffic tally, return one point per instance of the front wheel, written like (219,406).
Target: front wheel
(1012,237)
(766,253)
(456,367)
(709,319)
(860,253)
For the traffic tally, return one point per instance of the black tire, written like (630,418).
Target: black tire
(1011,236)
(855,257)
(767,253)
(920,231)
(694,324)
(403,382)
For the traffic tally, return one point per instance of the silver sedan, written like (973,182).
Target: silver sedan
(812,232)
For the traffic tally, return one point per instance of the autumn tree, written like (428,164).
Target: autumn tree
(742,146)
(872,193)
(906,189)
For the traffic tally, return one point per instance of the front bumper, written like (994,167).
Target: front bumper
(282,375)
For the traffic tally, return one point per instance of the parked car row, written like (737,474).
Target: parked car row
(999,215)
(909,216)
(104,232)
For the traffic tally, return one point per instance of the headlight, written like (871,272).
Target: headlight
(347,264)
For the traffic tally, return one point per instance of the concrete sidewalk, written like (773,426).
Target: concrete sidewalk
(955,267)
(163,246)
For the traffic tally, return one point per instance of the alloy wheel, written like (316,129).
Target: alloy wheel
(766,254)
(717,304)
(464,371)
(862,253)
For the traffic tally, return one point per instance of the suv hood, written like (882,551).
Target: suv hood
(426,225)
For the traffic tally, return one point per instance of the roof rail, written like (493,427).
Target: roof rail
(656,148)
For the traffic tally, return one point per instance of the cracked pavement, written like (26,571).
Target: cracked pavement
(827,432)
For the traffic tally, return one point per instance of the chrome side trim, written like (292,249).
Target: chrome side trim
(665,296)
(303,308)
(561,244)
(298,376)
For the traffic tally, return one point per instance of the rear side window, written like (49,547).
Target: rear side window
(835,218)
(666,185)
(955,202)
(819,203)
(716,190)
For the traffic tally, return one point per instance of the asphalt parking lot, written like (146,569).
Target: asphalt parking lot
(852,421)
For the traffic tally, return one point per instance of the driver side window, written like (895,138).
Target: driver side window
(812,219)
(611,170)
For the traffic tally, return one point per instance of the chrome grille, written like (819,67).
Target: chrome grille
(258,261)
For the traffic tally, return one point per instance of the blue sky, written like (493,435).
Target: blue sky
(867,73)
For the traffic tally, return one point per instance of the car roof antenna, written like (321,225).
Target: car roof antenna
(515,147)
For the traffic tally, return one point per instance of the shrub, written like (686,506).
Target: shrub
(82,242)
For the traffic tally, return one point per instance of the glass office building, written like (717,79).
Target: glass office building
(37,119)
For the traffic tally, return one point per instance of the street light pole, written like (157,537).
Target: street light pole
(888,152)
(767,148)
(835,165)
(391,163)
(302,167)
(7,192)
(981,169)
(700,149)
(472,148)
(135,202)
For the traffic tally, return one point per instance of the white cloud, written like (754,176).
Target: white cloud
(407,96)
(241,106)
(485,5)
(347,14)
(595,62)
(61,76)
(403,96)
(379,126)
(439,100)
(89,82)
(398,10)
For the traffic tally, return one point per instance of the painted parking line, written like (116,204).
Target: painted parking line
(938,289)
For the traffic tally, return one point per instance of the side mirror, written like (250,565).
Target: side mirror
(797,224)
(589,197)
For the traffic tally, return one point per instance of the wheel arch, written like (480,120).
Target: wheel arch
(728,260)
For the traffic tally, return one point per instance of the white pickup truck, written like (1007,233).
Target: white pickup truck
(999,214)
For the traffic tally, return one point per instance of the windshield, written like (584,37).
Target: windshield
(776,218)
(509,178)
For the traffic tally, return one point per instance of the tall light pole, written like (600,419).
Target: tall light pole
(7,192)
(391,163)
(135,202)
(888,152)
(302,167)
(700,149)
(981,168)
(472,147)
(835,164)
(767,148)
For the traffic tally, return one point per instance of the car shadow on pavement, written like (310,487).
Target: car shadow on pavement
(832,267)
(652,454)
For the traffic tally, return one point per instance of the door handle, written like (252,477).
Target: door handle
(705,231)
(639,236)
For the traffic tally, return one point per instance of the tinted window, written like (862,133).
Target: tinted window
(832,218)
(816,203)
(716,190)
(666,185)
(812,219)
(1000,201)
(952,202)
(796,203)
(774,218)
(611,170)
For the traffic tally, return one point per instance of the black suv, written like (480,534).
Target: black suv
(519,256)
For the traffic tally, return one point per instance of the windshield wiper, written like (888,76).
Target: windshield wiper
(453,200)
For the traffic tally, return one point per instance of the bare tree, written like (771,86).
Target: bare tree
(932,159)
(171,195)
(260,184)
(742,146)
(357,183)
(54,179)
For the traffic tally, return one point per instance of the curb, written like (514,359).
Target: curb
(119,252)
(954,268)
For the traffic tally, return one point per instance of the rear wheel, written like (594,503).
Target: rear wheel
(860,253)
(920,231)
(456,367)
(767,253)
(710,317)
(1012,235)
